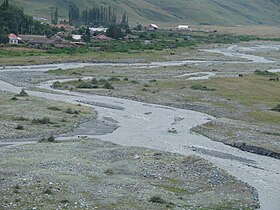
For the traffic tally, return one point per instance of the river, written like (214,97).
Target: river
(165,128)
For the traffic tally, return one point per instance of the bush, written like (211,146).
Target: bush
(54,108)
(56,84)
(114,79)
(50,139)
(102,81)
(71,111)
(21,118)
(202,87)
(109,172)
(84,84)
(22,93)
(107,85)
(19,127)
(157,199)
(44,120)
(264,73)
(94,81)
(276,109)
(48,191)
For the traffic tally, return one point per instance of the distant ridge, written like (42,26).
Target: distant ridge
(214,12)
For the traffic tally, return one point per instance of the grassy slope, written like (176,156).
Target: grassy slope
(220,12)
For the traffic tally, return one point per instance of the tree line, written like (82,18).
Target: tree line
(95,16)
(13,20)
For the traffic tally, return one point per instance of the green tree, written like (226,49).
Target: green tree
(86,36)
(74,14)
(4,38)
(114,31)
(13,20)
(55,16)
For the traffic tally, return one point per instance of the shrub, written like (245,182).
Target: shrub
(50,139)
(276,109)
(107,85)
(54,108)
(19,127)
(157,199)
(84,84)
(94,81)
(71,111)
(56,84)
(202,87)
(48,191)
(125,79)
(114,79)
(21,118)
(102,81)
(109,172)
(44,120)
(14,98)
(264,73)
(22,93)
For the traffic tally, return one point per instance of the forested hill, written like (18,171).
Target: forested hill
(216,12)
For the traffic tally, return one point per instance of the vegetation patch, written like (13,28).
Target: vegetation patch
(276,109)
(264,73)
(44,120)
(86,84)
(157,199)
(174,189)
(202,87)
(22,93)
(32,116)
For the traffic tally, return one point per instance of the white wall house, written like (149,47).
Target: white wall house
(13,39)
(183,28)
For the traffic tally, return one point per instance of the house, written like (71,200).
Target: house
(36,40)
(65,26)
(102,37)
(41,19)
(63,34)
(77,37)
(13,39)
(99,29)
(152,27)
(183,28)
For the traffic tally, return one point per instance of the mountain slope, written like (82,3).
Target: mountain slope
(216,12)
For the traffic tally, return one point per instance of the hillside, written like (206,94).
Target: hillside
(215,12)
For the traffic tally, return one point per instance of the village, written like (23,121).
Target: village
(70,36)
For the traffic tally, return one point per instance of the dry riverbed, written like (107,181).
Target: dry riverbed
(93,174)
